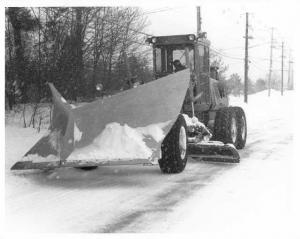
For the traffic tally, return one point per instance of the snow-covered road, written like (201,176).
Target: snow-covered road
(204,197)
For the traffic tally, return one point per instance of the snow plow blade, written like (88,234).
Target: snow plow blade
(156,104)
(214,151)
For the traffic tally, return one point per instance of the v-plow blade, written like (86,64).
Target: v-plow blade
(146,113)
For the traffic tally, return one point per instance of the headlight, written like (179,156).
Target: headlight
(153,40)
(191,37)
(99,87)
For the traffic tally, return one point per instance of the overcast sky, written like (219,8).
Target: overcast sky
(224,22)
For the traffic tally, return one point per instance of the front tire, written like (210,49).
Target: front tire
(174,148)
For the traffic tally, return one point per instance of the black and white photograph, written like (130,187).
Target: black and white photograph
(155,117)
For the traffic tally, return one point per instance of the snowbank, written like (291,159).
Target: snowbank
(16,116)
(261,108)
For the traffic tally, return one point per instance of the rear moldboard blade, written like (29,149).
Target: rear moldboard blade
(214,152)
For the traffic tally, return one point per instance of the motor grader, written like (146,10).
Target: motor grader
(182,112)
(206,99)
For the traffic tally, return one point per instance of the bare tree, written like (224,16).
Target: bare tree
(75,48)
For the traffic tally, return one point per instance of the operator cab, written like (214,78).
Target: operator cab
(191,53)
(168,51)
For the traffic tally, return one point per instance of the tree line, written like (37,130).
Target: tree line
(75,48)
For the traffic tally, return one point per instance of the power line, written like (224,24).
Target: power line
(147,13)
(265,59)
(226,55)
(257,66)
(142,51)
(243,47)
(160,10)
(240,58)
(257,45)
(155,10)
(130,29)
(231,48)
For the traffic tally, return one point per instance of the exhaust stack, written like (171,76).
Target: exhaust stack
(199,21)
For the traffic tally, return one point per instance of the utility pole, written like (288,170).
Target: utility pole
(39,69)
(199,22)
(282,56)
(270,69)
(246,62)
(290,75)
(128,71)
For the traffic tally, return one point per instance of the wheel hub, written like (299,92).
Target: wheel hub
(182,142)
(243,128)
(233,130)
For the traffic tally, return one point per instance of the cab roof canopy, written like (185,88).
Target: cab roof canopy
(177,39)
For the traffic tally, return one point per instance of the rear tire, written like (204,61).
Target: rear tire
(231,126)
(174,148)
(241,127)
(225,127)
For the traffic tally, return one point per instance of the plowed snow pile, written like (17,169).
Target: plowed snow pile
(115,142)
(121,142)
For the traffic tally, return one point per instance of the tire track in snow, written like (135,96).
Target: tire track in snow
(196,176)
(167,200)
